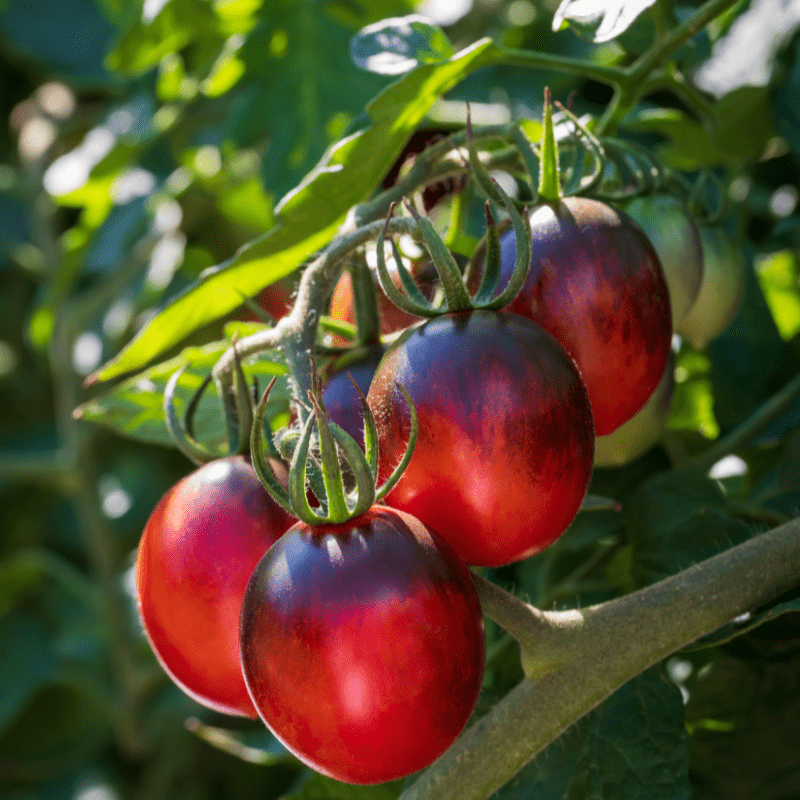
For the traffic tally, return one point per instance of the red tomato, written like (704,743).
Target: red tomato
(363,646)
(197,553)
(505,443)
(596,284)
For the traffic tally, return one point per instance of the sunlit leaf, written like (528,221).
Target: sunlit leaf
(599,20)
(397,45)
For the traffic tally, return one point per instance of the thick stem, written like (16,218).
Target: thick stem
(296,333)
(549,181)
(630,87)
(600,648)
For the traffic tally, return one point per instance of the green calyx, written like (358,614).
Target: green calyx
(237,411)
(456,294)
(549,177)
(322,470)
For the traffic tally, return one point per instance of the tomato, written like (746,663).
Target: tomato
(720,292)
(595,283)
(276,299)
(676,240)
(505,443)
(197,552)
(362,645)
(642,430)
(341,399)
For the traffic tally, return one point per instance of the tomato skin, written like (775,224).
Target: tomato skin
(393,319)
(676,239)
(196,554)
(595,283)
(340,398)
(363,646)
(720,293)
(505,443)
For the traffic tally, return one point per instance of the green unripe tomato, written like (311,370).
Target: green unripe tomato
(720,291)
(643,430)
(676,240)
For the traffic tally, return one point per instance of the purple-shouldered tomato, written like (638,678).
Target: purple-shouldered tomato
(595,283)
(505,443)
(362,645)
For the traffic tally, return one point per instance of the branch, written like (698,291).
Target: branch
(591,652)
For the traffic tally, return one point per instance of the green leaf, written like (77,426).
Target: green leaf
(134,407)
(599,20)
(394,46)
(28,663)
(318,787)
(779,277)
(631,747)
(308,216)
(675,520)
(147,41)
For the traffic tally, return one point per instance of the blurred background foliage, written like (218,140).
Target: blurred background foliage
(146,142)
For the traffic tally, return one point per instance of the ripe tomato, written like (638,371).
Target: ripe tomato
(362,645)
(676,240)
(505,443)
(720,292)
(197,552)
(595,283)
(341,399)
(393,319)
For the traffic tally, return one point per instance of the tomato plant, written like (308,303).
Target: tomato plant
(595,283)
(363,645)
(495,390)
(196,554)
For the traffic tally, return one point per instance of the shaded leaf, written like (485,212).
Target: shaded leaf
(28,663)
(744,624)
(675,520)
(318,787)
(633,746)
(397,45)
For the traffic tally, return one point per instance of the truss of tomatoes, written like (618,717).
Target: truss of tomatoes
(360,644)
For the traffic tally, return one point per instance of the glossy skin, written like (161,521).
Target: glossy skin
(641,432)
(676,240)
(363,645)
(197,553)
(720,292)
(341,399)
(595,283)
(505,443)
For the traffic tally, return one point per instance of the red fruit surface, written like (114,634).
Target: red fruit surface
(505,443)
(197,553)
(596,284)
(363,646)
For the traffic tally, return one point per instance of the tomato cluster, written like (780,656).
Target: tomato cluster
(359,641)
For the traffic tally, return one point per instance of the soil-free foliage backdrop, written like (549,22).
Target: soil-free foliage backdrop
(143,144)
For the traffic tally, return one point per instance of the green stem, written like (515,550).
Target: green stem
(531,59)
(587,654)
(630,86)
